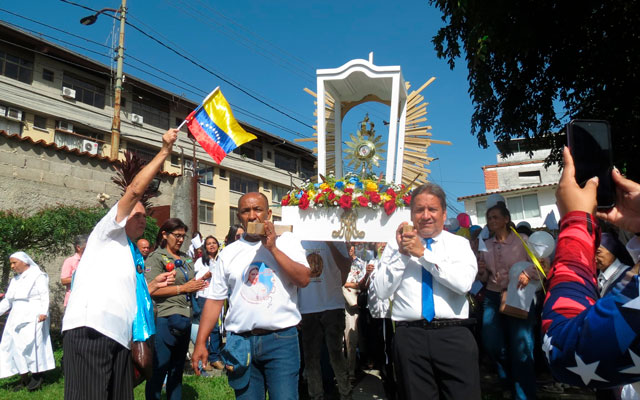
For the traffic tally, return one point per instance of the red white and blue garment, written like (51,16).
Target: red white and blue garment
(589,341)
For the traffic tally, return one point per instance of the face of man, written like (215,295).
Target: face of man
(144,247)
(136,222)
(428,215)
(253,207)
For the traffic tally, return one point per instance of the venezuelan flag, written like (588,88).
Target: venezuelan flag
(215,128)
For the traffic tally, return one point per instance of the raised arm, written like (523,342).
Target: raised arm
(136,189)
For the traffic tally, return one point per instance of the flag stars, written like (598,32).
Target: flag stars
(587,372)
(636,364)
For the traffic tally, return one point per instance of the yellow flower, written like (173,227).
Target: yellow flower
(371,186)
(311,193)
(385,197)
(323,186)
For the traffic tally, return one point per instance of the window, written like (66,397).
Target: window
(275,218)
(243,184)
(75,140)
(307,168)
(11,126)
(180,121)
(481,212)
(286,162)
(205,212)
(223,173)
(15,67)
(233,216)
(40,122)
(47,75)
(175,160)
(145,153)
(278,192)
(250,150)
(205,174)
(86,92)
(529,176)
(153,109)
(523,207)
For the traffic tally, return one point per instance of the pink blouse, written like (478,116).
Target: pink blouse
(500,258)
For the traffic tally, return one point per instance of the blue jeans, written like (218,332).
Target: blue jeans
(275,362)
(169,355)
(509,343)
(214,344)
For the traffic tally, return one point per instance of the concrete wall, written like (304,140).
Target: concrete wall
(509,176)
(33,177)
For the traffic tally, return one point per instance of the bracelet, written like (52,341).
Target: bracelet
(178,290)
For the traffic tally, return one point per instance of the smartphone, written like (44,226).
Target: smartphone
(590,145)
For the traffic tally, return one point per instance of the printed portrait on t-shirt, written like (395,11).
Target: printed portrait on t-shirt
(259,283)
(315,263)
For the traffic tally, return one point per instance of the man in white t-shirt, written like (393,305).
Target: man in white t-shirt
(98,321)
(260,275)
(322,307)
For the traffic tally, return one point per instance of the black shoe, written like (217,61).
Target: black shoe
(36,382)
(22,383)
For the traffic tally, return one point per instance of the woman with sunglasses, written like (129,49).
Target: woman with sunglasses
(174,306)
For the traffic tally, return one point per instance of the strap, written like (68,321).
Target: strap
(533,258)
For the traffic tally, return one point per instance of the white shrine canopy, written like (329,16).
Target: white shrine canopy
(354,83)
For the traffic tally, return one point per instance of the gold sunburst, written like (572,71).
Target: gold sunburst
(365,148)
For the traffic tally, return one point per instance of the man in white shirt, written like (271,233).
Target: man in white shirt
(260,275)
(429,271)
(98,321)
(321,304)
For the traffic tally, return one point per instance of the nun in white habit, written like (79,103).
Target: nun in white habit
(26,344)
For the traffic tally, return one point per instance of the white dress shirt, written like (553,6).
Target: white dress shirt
(453,266)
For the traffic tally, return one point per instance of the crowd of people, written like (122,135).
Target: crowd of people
(281,315)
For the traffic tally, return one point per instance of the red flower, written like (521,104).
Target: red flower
(374,197)
(345,201)
(391,193)
(348,190)
(318,198)
(285,200)
(326,190)
(304,202)
(331,197)
(363,201)
(407,199)
(389,207)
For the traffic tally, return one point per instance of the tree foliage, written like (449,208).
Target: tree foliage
(50,232)
(534,65)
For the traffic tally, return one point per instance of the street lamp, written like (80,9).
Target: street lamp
(115,124)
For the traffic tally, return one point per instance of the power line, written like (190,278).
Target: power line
(204,68)
(196,92)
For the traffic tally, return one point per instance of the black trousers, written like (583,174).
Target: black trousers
(436,363)
(96,367)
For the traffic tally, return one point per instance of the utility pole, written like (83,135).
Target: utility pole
(117,95)
(115,125)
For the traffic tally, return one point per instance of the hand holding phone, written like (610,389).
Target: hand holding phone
(590,145)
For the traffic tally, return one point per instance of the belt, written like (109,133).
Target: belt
(437,323)
(259,332)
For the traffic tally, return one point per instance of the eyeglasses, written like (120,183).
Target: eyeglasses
(178,236)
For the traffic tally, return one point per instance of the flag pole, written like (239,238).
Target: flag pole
(200,106)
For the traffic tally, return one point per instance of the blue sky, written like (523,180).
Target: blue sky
(273,49)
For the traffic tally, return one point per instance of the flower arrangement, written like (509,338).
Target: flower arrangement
(349,192)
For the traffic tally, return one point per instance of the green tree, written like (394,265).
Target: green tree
(535,64)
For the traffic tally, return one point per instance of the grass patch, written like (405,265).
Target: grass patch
(193,387)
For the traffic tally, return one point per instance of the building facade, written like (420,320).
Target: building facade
(51,94)
(522,179)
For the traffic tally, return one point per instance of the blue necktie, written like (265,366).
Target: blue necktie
(428,312)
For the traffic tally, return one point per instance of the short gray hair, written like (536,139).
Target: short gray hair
(80,241)
(432,189)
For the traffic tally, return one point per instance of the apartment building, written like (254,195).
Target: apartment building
(51,94)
